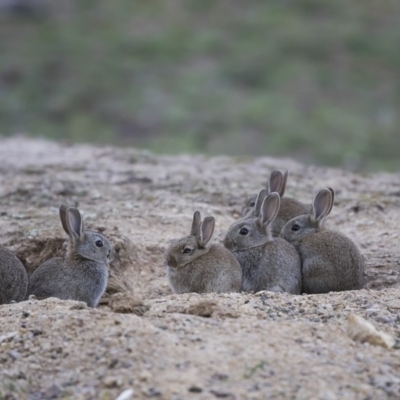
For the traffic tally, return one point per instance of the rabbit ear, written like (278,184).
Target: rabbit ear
(270,208)
(206,231)
(196,223)
(63,217)
(322,204)
(333,198)
(260,198)
(275,182)
(283,185)
(74,222)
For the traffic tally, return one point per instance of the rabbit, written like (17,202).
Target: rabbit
(13,277)
(268,263)
(330,260)
(83,274)
(289,208)
(195,266)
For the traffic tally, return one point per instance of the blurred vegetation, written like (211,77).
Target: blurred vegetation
(317,80)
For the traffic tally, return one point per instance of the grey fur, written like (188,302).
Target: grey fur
(330,260)
(268,263)
(289,208)
(83,274)
(13,277)
(207,268)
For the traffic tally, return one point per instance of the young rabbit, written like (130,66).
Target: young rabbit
(268,263)
(83,274)
(194,266)
(13,277)
(331,261)
(289,208)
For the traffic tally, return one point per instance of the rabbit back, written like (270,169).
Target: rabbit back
(330,262)
(274,266)
(13,277)
(82,280)
(217,270)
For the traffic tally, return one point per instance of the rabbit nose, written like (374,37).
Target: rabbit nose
(171,261)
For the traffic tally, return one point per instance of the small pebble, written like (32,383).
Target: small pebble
(112,382)
(195,389)
(126,395)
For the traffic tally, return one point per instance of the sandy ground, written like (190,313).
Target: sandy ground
(145,342)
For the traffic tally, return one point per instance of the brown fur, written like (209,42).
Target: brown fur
(268,263)
(330,260)
(206,268)
(289,208)
(13,277)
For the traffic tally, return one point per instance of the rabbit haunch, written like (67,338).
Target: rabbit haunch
(13,277)
(83,274)
(195,266)
(330,260)
(268,263)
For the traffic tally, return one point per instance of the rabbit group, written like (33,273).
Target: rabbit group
(81,275)
(280,244)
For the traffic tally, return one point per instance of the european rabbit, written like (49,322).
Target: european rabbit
(268,263)
(83,274)
(195,266)
(289,208)
(330,260)
(13,277)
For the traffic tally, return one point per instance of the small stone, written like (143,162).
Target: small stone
(384,320)
(112,382)
(363,331)
(14,355)
(144,375)
(195,389)
(359,356)
(7,337)
(78,305)
(153,392)
(220,376)
(222,395)
(126,395)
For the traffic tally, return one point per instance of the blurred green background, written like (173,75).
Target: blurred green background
(317,80)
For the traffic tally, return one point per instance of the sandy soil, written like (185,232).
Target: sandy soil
(145,342)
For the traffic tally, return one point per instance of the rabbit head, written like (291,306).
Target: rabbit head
(83,243)
(276,183)
(303,225)
(248,208)
(254,231)
(183,251)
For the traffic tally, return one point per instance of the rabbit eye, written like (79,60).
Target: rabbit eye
(252,204)
(244,231)
(187,250)
(99,243)
(295,227)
